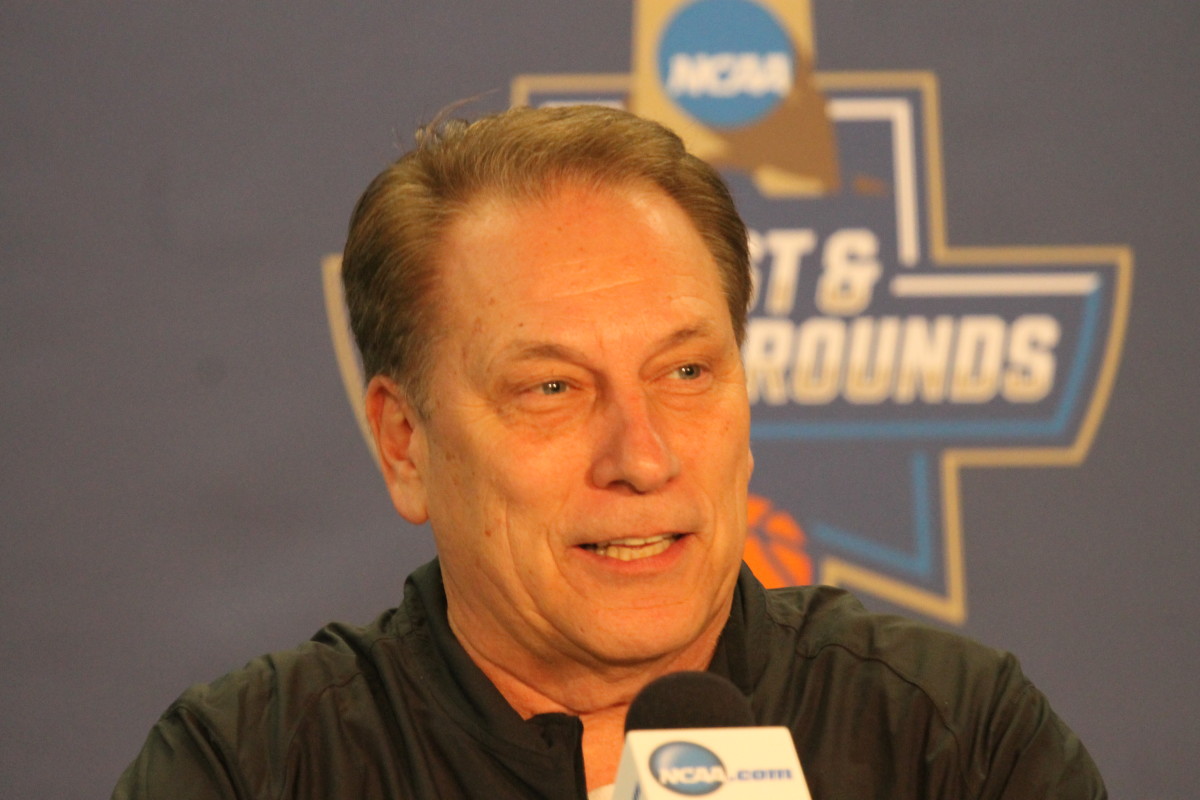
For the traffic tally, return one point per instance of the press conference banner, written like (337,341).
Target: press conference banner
(971,354)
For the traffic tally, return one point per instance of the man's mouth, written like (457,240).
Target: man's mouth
(632,548)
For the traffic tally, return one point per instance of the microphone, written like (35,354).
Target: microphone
(692,733)
(689,700)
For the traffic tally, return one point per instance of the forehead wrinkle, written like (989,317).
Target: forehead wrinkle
(582,290)
(647,270)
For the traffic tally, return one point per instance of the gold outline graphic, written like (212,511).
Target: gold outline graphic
(343,345)
(524,85)
(951,606)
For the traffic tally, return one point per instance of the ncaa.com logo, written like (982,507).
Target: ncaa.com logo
(728,63)
(689,768)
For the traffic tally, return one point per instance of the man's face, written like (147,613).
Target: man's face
(585,459)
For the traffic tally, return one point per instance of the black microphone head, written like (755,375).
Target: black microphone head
(689,700)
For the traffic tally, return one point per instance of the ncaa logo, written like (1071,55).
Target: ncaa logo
(727,63)
(687,768)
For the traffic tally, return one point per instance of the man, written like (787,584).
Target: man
(549,305)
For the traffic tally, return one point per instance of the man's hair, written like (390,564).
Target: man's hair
(390,269)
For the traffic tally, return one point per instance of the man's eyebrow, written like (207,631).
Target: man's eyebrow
(530,350)
(534,350)
(700,330)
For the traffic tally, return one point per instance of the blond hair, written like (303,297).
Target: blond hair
(389,269)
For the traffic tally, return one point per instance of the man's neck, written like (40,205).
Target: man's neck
(598,694)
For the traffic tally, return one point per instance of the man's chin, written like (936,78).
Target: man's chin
(636,638)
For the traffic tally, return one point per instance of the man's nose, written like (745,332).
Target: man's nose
(632,449)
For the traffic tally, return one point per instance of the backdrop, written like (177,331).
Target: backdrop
(184,482)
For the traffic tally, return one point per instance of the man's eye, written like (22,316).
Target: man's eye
(553,387)
(689,372)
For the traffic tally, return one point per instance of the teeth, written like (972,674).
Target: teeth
(632,548)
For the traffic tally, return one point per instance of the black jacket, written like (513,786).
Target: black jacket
(879,707)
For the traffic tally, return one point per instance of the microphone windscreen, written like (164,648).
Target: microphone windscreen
(689,700)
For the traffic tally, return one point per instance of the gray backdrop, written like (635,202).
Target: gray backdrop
(184,486)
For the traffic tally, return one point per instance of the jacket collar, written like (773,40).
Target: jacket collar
(475,701)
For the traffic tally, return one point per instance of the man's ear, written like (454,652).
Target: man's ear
(399,435)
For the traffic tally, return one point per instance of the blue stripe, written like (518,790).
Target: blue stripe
(919,562)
